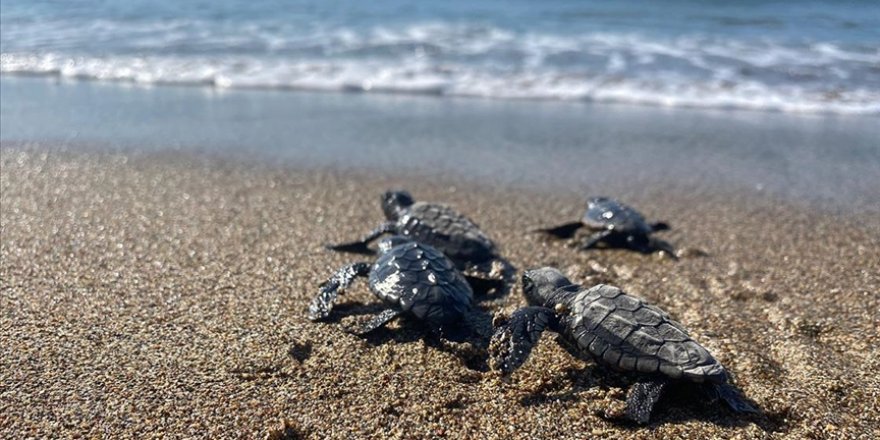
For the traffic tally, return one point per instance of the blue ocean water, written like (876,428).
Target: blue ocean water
(792,56)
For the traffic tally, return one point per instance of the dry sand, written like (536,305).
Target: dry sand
(147,296)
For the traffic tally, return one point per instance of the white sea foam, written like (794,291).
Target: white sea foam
(466,60)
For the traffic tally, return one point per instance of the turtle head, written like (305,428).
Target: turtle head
(387,243)
(541,285)
(393,202)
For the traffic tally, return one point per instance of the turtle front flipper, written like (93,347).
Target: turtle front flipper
(562,231)
(514,340)
(642,398)
(330,289)
(362,246)
(378,320)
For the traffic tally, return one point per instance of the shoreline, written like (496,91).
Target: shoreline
(831,163)
(164,293)
(639,190)
(213,87)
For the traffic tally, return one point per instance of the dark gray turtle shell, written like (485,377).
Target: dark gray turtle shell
(624,332)
(449,231)
(605,213)
(421,280)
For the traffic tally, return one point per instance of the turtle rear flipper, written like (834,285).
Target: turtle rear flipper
(496,268)
(656,244)
(378,320)
(494,276)
(647,244)
(733,398)
(354,247)
(642,398)
(483,287)
(456,332)
(593,240)
(330,289)
(562,231)
(514,340)
(659,226)
(362,246)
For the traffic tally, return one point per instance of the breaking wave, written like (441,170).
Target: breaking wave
(467,60)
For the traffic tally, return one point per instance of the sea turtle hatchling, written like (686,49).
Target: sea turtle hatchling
(442,227)
(614,224)
(616,330)
(410,278)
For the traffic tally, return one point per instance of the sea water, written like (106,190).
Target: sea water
(789,56)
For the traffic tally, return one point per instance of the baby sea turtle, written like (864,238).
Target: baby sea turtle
(616,330)
(614,224)
(410,278)
(442,227)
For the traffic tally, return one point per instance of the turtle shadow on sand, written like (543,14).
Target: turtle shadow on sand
(469,343)
(684,402)
(564,388)
(681,403)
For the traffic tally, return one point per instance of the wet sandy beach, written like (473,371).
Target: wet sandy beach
(160,295)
